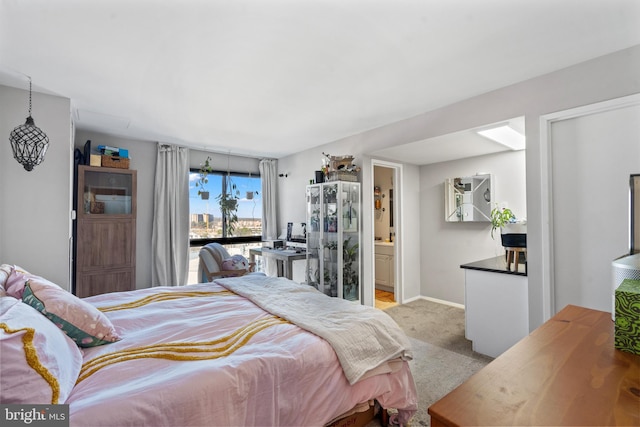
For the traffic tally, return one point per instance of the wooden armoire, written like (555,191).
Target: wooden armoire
(105,255)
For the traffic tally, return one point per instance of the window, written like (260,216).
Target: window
(207,222)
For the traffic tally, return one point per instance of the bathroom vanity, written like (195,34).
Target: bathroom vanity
(496,305)
(385,272)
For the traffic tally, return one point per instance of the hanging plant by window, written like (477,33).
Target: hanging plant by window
(201,183)
(228,200)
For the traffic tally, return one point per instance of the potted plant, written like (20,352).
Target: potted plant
(513,233)
(315,220)
(350,274)
(228,200)
(205,170)
(332,249)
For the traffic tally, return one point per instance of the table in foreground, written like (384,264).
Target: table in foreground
(566,372)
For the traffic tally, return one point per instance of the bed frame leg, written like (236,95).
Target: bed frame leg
(384,417)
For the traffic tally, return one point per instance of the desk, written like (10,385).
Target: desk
(566,372)
(284,259)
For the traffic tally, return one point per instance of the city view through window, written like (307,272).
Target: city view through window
(206,216)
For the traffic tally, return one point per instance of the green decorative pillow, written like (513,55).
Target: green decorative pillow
(82,322)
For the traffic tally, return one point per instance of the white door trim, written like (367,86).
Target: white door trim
(398,264)
(546,185)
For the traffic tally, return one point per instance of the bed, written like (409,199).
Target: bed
(253,350)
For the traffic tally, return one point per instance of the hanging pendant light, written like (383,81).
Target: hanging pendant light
(28,142)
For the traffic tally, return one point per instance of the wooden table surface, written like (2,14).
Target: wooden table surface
(566,372)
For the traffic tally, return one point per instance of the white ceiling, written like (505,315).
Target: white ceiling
(274,77)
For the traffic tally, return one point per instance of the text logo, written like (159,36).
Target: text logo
(34,415)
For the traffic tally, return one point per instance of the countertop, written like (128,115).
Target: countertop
(496,265)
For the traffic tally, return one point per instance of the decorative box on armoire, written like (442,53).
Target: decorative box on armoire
(105,256)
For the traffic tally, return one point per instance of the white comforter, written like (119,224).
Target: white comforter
(364,338)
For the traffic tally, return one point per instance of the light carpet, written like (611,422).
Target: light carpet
(443,358)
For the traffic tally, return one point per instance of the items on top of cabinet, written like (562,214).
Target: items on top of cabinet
(107,150)
(104,156)
(339,168)
(114,157)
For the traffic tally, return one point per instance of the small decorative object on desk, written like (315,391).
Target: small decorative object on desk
(339,168)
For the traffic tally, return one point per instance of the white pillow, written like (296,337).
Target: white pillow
(39,363)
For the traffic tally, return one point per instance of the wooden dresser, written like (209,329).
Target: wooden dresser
(566,372)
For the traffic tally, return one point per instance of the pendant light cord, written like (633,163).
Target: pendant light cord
(29,96)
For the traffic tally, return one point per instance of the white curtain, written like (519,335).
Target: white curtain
(170,238)
(268,176)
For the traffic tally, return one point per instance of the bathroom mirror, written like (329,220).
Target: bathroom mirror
(468,198)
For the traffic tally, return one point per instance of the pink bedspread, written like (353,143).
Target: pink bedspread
(201,355)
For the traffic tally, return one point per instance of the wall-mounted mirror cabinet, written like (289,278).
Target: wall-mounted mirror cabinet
(468,198)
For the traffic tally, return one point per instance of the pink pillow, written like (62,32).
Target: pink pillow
(40,364)
(81,321)
(14,285)
(235,262)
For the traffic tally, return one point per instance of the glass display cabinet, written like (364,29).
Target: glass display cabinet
(334,257)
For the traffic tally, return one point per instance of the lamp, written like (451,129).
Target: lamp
(28,142)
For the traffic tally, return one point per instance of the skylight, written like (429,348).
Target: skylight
(505,135)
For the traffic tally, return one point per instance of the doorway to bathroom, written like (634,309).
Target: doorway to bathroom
(385,233)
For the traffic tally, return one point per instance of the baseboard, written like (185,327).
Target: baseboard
(441,301)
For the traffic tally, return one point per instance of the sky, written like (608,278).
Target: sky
(246,208)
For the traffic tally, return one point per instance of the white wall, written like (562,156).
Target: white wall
(35,207)
(592,157)
(447,245)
